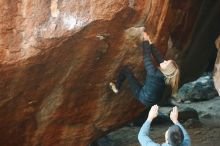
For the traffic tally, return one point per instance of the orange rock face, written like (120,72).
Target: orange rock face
(57,58)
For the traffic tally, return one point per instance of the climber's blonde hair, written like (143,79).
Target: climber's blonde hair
(173,80)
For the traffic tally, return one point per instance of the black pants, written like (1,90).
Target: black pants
(134,84)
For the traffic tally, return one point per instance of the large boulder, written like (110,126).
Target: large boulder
(198,90)
(57,58)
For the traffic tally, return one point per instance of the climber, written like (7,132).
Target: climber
(157,77)
(176,135)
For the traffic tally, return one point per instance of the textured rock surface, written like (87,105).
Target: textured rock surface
(198,90)
(217,67)
(208,111)
(57,57)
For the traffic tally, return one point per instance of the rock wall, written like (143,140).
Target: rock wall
(216,76)
(57,58)
(200,47)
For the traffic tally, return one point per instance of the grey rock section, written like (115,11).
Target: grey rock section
(208,111)
(193,123)
(198,90)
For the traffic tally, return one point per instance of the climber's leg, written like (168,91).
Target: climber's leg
(135,86)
